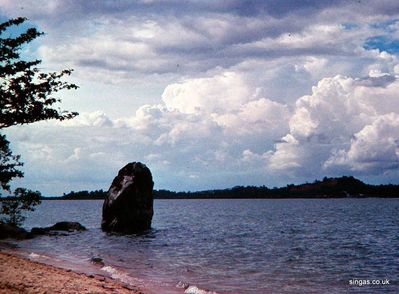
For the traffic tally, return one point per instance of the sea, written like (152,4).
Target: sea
(233,246)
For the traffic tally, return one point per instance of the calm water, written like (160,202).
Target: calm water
(238,246)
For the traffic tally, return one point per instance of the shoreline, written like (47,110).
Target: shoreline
(22,275)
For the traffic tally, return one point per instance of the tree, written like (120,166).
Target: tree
(26,93)
(9,164)
(26,96)
(12,208)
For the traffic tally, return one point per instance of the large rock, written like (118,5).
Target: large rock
(128,206)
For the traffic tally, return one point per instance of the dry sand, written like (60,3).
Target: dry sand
(20,275)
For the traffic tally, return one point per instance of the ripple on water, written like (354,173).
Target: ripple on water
(238,246)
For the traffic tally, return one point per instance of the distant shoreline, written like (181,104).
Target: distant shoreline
(239,198)
(328,188)
(343,187)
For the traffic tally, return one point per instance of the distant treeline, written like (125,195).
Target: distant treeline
(327,188)
(97,194)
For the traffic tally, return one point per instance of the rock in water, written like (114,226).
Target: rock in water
(128,206)
(12,231)
(61,226)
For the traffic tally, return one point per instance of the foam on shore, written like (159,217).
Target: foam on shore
(88,268)
(122,276)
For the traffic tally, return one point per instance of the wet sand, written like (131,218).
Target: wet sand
(20,275)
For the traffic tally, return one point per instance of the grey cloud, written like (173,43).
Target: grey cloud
(381,81)
(248,8)
(278,8)
(268,43)
(206,34)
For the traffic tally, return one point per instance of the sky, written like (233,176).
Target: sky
(214,94)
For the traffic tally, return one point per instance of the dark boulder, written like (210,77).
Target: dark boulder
(61,226)
(97,260)
(128,206)
(12,232)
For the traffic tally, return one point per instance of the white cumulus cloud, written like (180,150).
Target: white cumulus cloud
(345,124)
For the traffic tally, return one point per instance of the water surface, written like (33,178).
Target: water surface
(239,246)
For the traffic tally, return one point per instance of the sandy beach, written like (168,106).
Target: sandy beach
(20,275)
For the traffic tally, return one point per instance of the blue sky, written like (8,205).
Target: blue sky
(213,94)
(382,43)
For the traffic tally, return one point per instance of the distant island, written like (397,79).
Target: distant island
(342,187)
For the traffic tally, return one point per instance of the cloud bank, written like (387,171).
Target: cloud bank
(246,92)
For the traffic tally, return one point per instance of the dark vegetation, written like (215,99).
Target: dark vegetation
(26,96)
(97,194)
(327,188)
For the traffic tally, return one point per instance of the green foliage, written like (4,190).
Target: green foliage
(26,96)
(97,194)
(8,164)
(12,208)
(26,93)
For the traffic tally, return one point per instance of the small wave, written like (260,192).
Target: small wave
(37,256)
(192,289)
(196,290)
(121,276)
(109,269)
